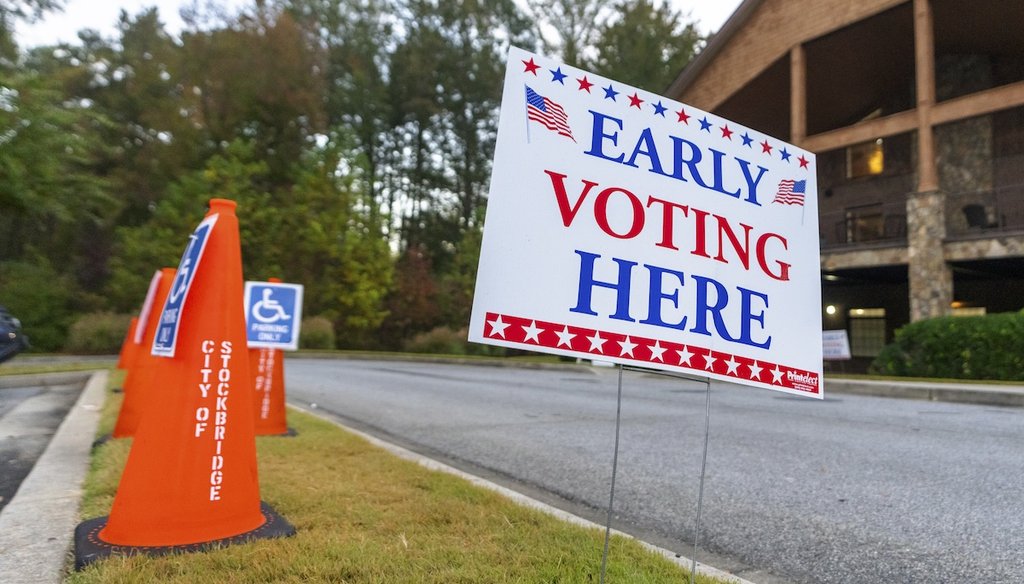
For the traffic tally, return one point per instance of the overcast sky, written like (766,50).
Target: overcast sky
(102,15)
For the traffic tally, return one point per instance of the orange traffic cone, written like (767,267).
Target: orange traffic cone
(190,481)
(267,374)
(128,346)
(268,382)
(143,373)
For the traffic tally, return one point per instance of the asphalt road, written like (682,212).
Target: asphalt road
(29,416)
(849,489)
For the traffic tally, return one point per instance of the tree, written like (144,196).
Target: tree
(258,80)
(645,45)
(53,204)
(12,11)
(573,24)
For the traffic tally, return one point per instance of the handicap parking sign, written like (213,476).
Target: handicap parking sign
(273,313)
(166,335)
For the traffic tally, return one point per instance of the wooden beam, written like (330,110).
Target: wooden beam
(960,108)
(980,103)
(924,59)
(797,94)
(862,132)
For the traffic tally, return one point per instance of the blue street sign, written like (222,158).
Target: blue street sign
(273,313)
(166,336)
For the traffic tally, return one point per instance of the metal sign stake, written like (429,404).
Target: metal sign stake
(703,468)
(615,468)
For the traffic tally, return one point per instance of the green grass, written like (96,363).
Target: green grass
(365,516)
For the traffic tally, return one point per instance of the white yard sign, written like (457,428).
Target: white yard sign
(627,227)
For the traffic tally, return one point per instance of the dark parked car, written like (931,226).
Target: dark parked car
(12,340)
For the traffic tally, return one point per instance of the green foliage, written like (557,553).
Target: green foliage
(975,347)
(99,333)
(316,332)
(645,45)
(160,241)
(40,297)
(53,202)
(356,137)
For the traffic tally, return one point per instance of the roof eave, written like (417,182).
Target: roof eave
(718,41)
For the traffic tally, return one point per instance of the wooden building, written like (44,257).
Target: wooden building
(915,110)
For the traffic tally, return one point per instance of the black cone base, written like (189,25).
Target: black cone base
(90,548)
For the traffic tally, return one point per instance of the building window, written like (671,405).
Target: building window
(867,159)
(867,331)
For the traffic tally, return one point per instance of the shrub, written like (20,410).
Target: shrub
(974,347)
(40,298)
(445,341)
(98,334)
(440,340)
(317,333)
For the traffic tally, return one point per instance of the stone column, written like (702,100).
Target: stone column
(931,278)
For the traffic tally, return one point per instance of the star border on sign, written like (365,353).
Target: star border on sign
(755,371)
(532,332)
(626,347)
(685,359)
(531,67)
(565,337)
(657,351)
(498,327)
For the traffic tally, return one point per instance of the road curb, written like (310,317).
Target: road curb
(44,379)
(939,391)
(36,526)
(990,395)
(405,454)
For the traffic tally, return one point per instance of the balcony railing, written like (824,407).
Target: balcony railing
(968,214)
(864,224)
(985,212)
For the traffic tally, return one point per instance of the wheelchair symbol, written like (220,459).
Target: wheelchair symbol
(181,279)
(268,305)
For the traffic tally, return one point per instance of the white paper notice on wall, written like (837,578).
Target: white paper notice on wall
(627,227)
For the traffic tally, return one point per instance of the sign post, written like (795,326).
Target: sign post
(626,227)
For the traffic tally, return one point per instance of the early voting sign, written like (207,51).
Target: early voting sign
(166,335)
(626,227)
(273,313)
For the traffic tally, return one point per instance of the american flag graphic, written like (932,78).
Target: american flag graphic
(791,192)
(548,113)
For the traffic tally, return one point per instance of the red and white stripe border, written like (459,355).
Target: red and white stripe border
(648,352)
